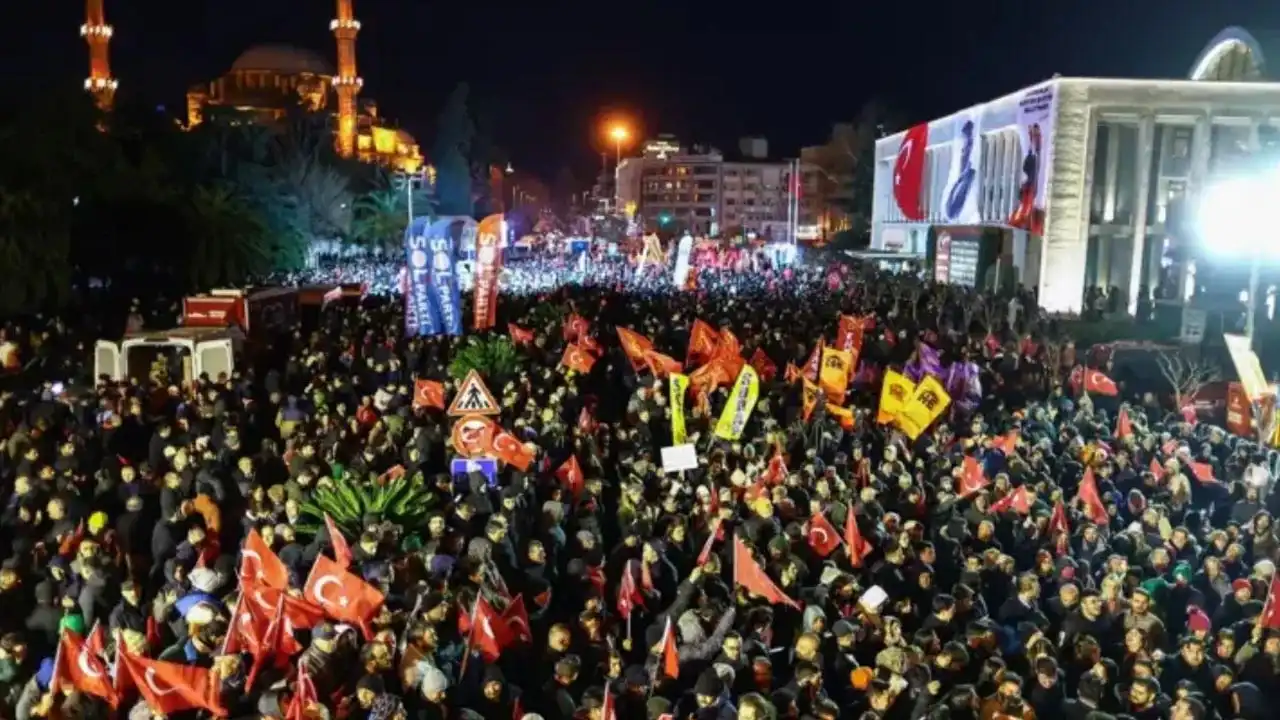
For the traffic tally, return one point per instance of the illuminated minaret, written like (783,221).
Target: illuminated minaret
(97,33)
(347,83)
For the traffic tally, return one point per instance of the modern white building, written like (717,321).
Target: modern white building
(1076,182)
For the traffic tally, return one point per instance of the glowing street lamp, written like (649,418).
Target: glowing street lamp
(619,135)
(1231,214)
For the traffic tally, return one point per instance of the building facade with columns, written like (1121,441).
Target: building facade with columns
(1077,182)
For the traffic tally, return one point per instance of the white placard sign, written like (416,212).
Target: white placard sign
(679,457)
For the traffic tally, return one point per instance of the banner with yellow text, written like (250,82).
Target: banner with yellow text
(746,389)
(679,386)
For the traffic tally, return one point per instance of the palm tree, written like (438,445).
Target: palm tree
(229,240)
(380,219)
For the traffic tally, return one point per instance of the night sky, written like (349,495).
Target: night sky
(706,70)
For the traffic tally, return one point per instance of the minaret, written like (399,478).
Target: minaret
(347,83)
(97,33)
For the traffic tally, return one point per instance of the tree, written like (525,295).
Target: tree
(229,239)
(34,250)
(847,167)
(1184,376)
(452,149)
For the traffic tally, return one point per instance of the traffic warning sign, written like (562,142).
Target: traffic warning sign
(474,398)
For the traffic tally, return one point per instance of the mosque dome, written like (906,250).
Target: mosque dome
(282,60)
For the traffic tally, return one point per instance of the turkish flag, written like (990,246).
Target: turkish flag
(519,335)
(516,618)
(776,472)
(763,366)
(1019,501)
(1124,426)
(908,172)
(629,594)
(972,478)
(244,633)
(507,448)
(575,327)
(748,574)
(714,537)
(577,359)
(428,394)
(1058,520)
(260,565)
(1203,473)
(1157,470)
(1092,499)
(855,545)
(703,340)
(1092,381)
(608,710)
(570,475)
(81,667)
(660,364)
(170,687)
(342,596)
(489,634)
(670,657)
(1270,617)
(341,549)
(301,612)
(635,346)
(1006,443)
(823,537)
(304,694)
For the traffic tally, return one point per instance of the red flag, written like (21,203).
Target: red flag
(260,565)
(763,366)
(1092,381)
(1203,473)
(1058,521)
(341,550)
(855,545)
(634,345)
(428,394)
(507,448)
(353,601)
(1270,617)
(516,618)
(300,612)
(169,687)
(304,694)
(972,478)
(608,710)
(570,475)
(814,364)
(908,171)
(1189,413)
(575,326)
(703,340)
(1124,427)
(1007,443)
(489,632)
(1019,501)
(628,594)
(792,374)
(1092,499)
(661,365)
(1157,469)
(577,359)
(748,574)
(716,536)
(80,666)
(823,537)
(519,336)
(776,472)
(670,657)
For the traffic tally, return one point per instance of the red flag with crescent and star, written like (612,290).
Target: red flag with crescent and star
(577,359)
(908,172)
(428,394)
(823,536)
(343,596)
(170,687)
(260,565)
(81,667)
(507,448)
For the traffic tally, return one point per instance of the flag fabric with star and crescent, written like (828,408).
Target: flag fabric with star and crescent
(343,596)
(79,666)
(170,687)
(260,565)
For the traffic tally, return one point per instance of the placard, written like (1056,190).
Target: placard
(679,457)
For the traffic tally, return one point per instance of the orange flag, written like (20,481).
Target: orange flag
(1092,499)
(170,687)
(1124,427)
(634,345)
(519,335)
(670,657)
(793,373)
(661,365)
(854,544)
(79,667)
(507,448)
(809,400)
(343,596)
(260,565)
(702,343)
(570,475)
(577,359)
(763,366)
(813,365)
(844,415)
(748,574)
(428,394)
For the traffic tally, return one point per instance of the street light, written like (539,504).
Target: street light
(619,135)
(1233,214)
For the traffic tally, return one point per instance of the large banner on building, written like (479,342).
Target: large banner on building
(960,203)
(908,172)
(1036,111)
(419,317)
(488,268)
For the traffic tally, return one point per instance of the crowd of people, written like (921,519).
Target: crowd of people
(1033,553)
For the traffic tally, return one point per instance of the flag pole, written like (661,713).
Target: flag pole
(471,637)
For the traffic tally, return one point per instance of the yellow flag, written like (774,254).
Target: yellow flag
(928,402)
(810,397)
(678,386)
(834,375)
(746,389)
(895,392)
(844,415)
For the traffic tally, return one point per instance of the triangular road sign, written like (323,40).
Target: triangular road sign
(473,398)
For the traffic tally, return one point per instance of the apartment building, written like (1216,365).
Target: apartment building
(696,190)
